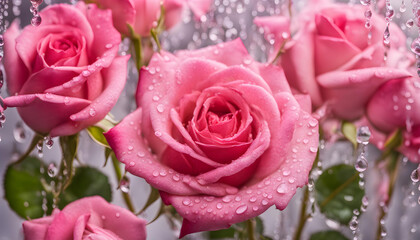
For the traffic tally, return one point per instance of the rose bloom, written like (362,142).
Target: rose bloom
(64,75)
(87,218)
(396,105)
(220,135)
(143,14)
(331,58)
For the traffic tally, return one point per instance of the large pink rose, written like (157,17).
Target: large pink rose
(396,105)
(220,135)
(64,75)
(143,14)
(87,218)
(331,58)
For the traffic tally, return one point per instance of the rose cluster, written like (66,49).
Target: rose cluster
(221,136)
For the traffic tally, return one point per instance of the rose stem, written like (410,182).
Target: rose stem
(393,166)
(303,216)
(250,224)
(126,196)
(31,147)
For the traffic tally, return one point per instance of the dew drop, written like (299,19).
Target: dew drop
(241,209)
(186,202)
(363,135)
(36,21)
(361,164)
(160,108)
(52,170)
(125,184)
(353,224)
(415,175)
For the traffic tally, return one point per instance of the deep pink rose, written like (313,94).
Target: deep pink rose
(331,59)
(220,135)
(64,75)
(87,218)
(396,105)
(143,14)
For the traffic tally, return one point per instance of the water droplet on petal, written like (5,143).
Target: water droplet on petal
(241,209)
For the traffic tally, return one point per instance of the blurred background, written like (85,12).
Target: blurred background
(227,20)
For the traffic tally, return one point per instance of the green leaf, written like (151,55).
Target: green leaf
(349,131)
(23,188)
(338,193)
(224,233)
(97,135)
(108,152)
(86,182)
(153,197)
(138,51)
(328,235)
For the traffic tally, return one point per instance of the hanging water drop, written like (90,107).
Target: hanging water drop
(353,224)
(361,164)
(125,184)
(36,20)
(52,170)
(415,175)
(49,142)
(19,133)
(363,135)
(40,146)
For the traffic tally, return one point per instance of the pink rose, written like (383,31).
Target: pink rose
(331,58)
(220,135)
(143,14)
(87,218)
(396,105)
(64,75)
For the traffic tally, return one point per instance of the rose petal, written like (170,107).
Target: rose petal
(147,12)
(111,217)
(276,28)
(200,7)
(339,87)
(140,162)
(123,13)
(326,49)
(114,81)
(328,27)
(395,104)
(297,55)
(53,17)
(184,79)
(202,213)
(80,225)
(57,108)
(37,228)
(107,38)
(228,53)
(16,71)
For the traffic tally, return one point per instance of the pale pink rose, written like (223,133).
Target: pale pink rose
(64,75)
(396,105)
(220,135)
(331,58)
(87,218)
(142,15)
